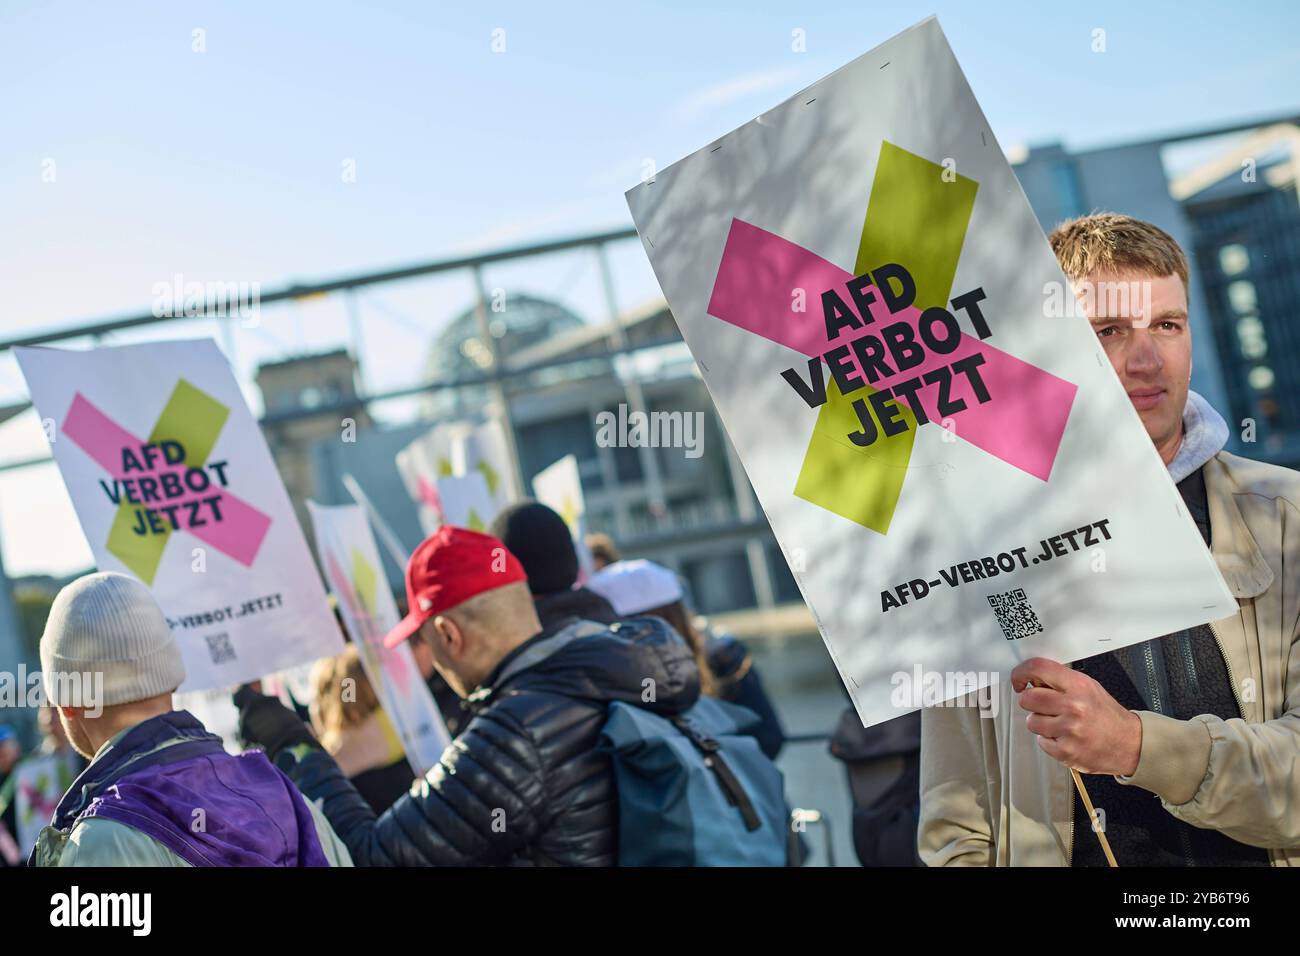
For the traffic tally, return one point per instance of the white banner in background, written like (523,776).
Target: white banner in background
(466,501)
(173,483)
(457,450)
(39,784)
(559,487)
(215,709)
(955,475)
(352,567)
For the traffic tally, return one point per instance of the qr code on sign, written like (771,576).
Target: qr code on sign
(220,648)
(1015,614)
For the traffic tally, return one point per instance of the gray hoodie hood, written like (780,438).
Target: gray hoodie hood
(1204,435)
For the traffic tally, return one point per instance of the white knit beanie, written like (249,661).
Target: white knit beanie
(636,586)
(110,624)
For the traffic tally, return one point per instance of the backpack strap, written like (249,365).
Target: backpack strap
(732,788)
(533,655)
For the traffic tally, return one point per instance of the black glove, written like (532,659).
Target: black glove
(265,722)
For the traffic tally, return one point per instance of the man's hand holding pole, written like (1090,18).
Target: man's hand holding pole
(1077,722)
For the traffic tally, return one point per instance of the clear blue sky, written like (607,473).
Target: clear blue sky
(227,164)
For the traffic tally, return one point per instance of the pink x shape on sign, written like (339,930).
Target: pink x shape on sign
(1023,423)
(242,527)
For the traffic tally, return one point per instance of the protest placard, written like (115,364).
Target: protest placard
(39,783)
(955,475)
(466,501)
(351,561)
(457,450)
(173,483)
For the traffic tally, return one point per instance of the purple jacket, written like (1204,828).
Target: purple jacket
(161,772)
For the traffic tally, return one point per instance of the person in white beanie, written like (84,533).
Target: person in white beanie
(639,587)
(160,789)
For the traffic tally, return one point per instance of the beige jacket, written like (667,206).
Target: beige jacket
(991,797)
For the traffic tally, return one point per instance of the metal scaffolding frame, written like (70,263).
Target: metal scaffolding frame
(494,377)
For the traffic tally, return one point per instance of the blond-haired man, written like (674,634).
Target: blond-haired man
(1188,744)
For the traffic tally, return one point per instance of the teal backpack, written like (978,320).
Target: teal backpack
(695,790)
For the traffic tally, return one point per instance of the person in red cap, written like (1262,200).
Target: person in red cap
(524,782)
(458,568)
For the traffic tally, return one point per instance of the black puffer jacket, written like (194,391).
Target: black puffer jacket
(523,783)
(558,606)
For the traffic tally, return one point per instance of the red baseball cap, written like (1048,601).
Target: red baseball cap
(450,566)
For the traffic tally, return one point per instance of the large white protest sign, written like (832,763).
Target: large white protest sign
(351,561)
(173,483)
(955,475)
(457,450)
(559,487)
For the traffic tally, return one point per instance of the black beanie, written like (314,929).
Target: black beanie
(540,539)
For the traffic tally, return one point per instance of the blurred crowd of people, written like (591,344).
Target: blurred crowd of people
(527,665)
